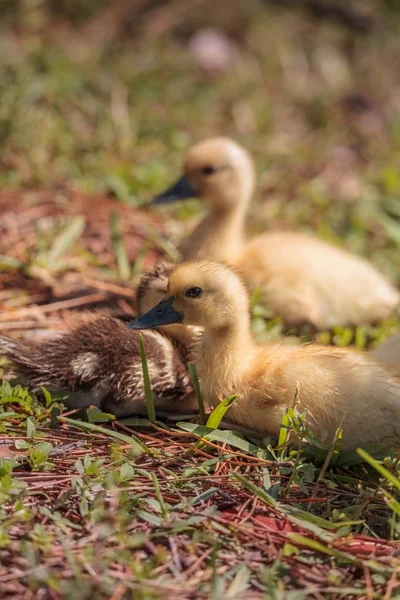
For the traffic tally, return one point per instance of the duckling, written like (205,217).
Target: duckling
(332,383)
(98,362)
(388,354)
(304,279)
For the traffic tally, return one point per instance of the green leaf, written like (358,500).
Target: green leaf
(284,429)
(219,412)
(239,584)
(195,382)
(30,427)
(290,550)
(8,263)
(205,496)
(150,518)
(319,547)
(264,496)
(118,185)
(95,415)
(64,241)
(133,441)
(146,382)
(159,497)
(8,415)
(225,436)
(266,478)
(126,472)
(47,396)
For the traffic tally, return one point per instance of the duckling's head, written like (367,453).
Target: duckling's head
(203,293)
(218,171)
(153,286)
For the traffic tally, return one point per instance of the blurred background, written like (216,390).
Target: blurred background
(100,100)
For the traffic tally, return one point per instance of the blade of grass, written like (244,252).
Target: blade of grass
(146,382)
(195,381)
(159,497)
(219,412)
(139,262)
(319,547)
(254,489)
(64,241)
(226,436)
(378,467)
(284,430)
(124,269)
(9,263)
(133,441)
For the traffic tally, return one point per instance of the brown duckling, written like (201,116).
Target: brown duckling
(304,279)
(98,362)
(332,383)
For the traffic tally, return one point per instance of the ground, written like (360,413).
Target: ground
(98,106)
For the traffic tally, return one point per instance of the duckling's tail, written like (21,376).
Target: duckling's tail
(23,356)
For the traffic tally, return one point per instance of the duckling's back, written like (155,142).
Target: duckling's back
(307,280)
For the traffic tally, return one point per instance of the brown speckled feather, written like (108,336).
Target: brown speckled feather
(99,363)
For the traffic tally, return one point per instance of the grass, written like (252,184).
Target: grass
(92,124)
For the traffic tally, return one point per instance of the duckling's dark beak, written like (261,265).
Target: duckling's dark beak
(162,314)
(179,191)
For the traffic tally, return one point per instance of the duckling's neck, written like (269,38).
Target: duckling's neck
(219,236)
(223,356)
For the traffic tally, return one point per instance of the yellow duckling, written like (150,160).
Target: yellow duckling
(388,354)
(332,383)
(98,362)
(304,279)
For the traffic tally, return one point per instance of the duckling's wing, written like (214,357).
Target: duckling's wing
(335,383)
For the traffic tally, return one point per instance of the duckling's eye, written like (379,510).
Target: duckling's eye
(208,170)
(193,292)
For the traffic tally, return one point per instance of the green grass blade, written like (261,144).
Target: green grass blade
(217,435)
(378,467)
(392,503)
(146,382)
(219,412)
(124,269)
(159,497)
(324,549)
(71,233)
(195,382)
(284,430)
(133,441)
(254,489)
(8,263)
